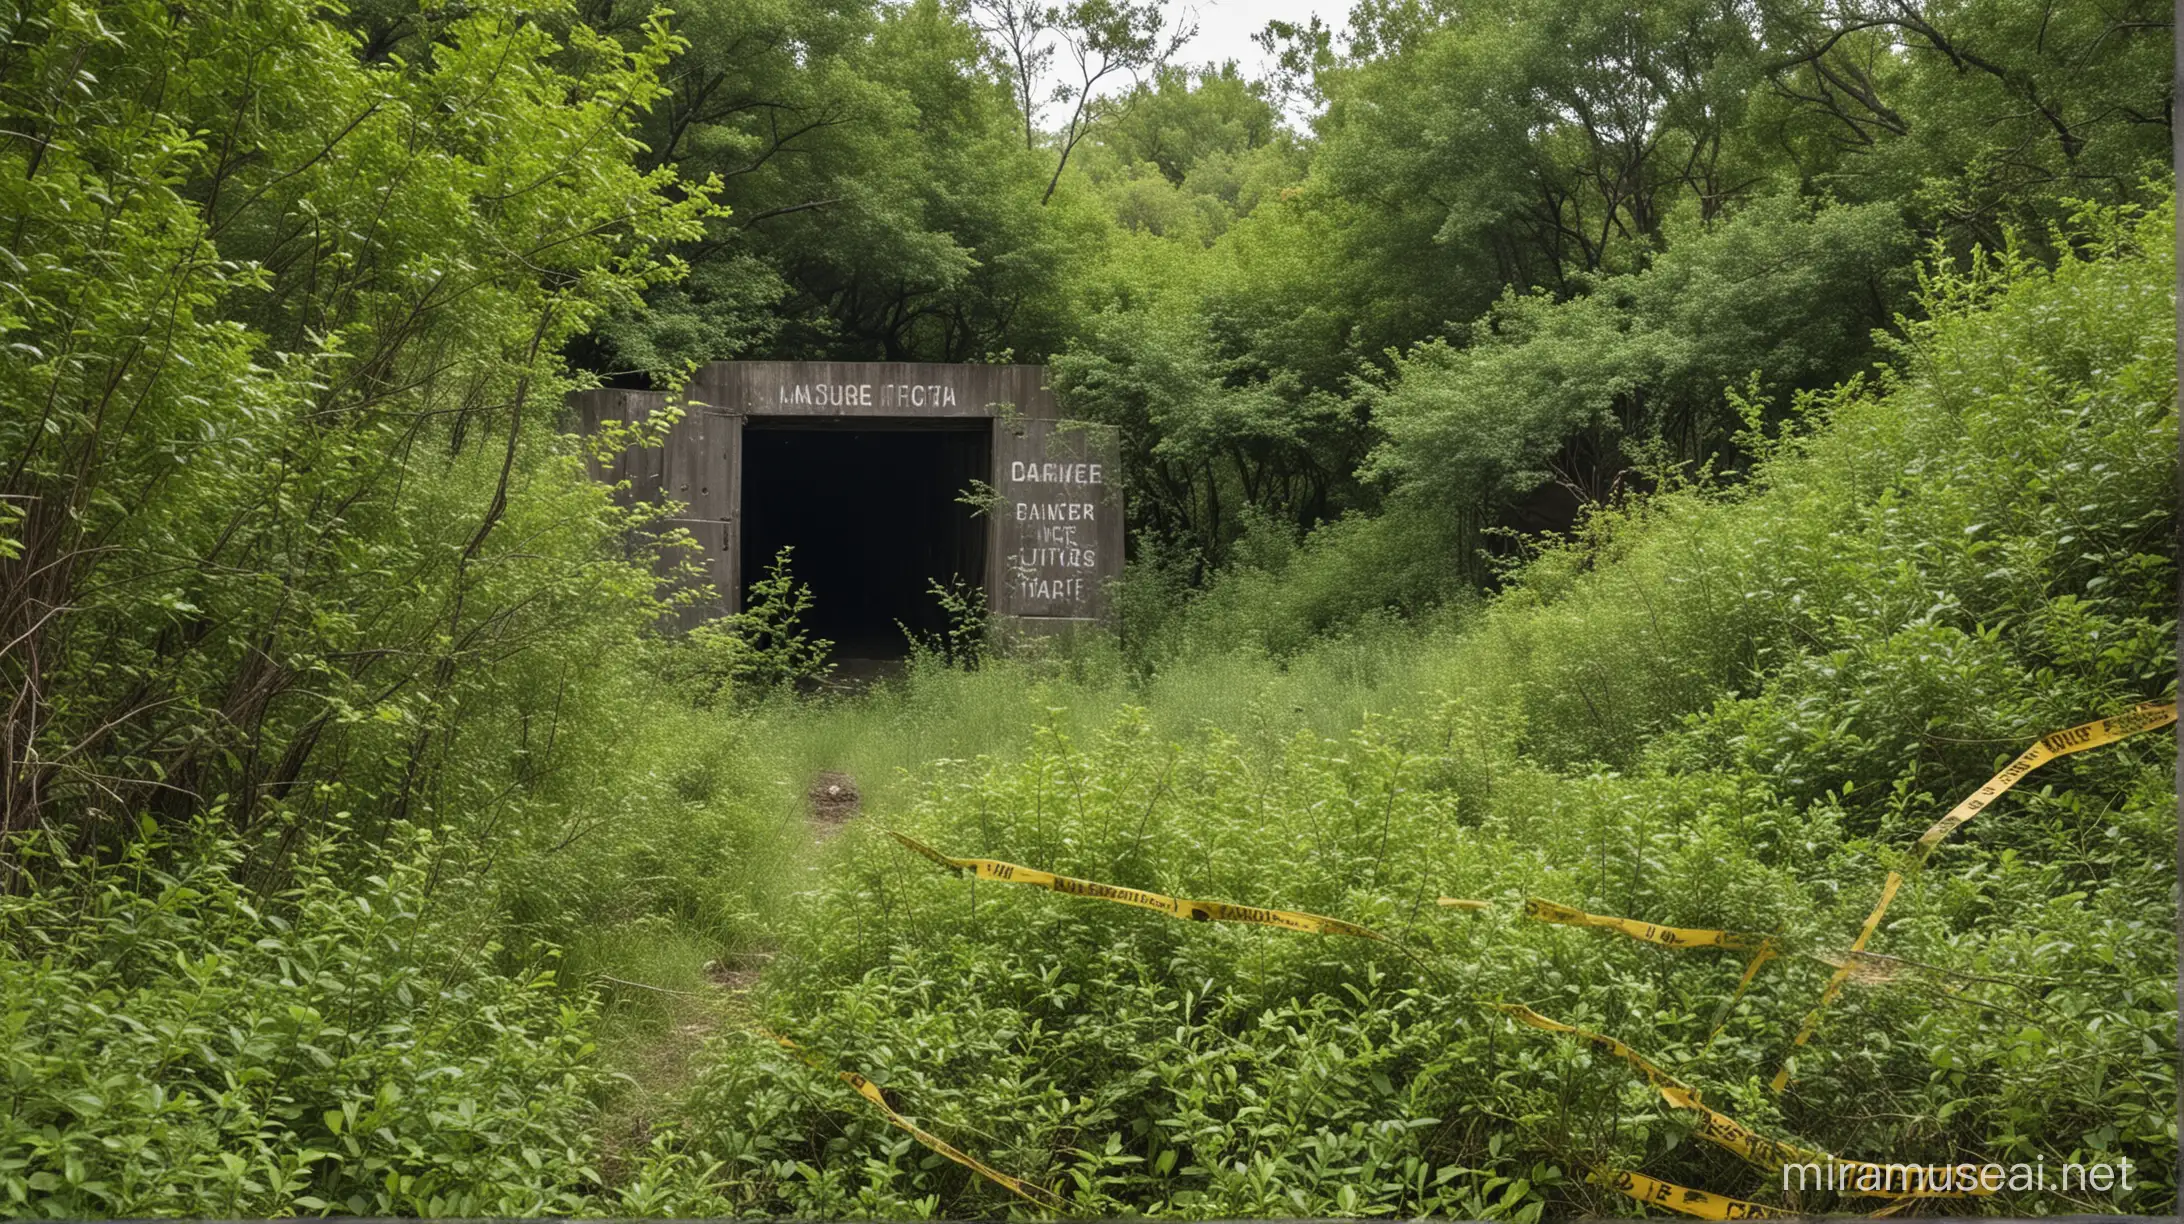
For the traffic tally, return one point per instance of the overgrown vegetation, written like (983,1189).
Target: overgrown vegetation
(751,654)
(1651,460)
(1715,707)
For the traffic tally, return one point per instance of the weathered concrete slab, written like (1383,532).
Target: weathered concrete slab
(1054,531)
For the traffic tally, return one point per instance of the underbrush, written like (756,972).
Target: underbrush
(345,1014)
(1724,708)
(180,1045)
(1281,597)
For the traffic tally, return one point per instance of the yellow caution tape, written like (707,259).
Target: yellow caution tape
(1767,952)
(1655,1192)
(1714,1127)
(2055,744)
(1460,903)
(1174,907)
(1834,987)
(1038,1196)
(2145,717)
(1648,932)
(1763,949)
(1645,1066)
(1719,1128)
(1658,1193)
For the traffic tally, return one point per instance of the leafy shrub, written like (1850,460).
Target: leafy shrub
(334,525)
(968,629)
(180,1045)
(750,654)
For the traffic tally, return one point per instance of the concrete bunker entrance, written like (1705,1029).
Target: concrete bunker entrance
(869,505)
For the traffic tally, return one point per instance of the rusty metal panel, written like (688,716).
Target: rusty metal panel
(691,467)
(697,468)
(667,564)
(730,578)
(1058,527)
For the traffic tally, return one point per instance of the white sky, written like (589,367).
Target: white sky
(1225,27)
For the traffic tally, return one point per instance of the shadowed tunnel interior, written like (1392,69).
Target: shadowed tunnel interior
(873,517)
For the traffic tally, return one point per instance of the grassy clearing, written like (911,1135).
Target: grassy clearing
(889,736)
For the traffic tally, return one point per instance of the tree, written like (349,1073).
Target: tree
(882,202)
(1982,112)
(1098,40)
(1300,52)
(289,523)
(1180,117)
(1540,140)
(1022,34)
(1549,392)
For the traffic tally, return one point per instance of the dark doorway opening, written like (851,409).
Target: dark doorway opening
(872,513)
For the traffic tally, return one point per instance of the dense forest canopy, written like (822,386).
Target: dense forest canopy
(1643,454)
(1246,295)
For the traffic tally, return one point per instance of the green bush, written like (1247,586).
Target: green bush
(180,1045)
(749,655)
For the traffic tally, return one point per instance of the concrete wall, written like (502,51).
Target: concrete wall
(1055,534)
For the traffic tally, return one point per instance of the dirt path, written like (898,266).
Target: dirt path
(667,1064)
(831,802)
(834,803)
